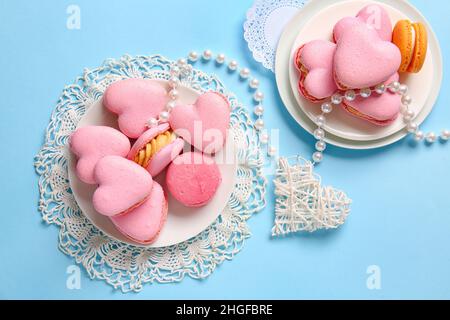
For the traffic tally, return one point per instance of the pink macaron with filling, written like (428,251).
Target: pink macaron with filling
(122,186)
(314,62)
(92,143)
(203,124)
(380,110)
(193,179)
(144,223)
(135,101)
(156,148)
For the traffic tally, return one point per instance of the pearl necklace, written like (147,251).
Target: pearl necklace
(350,95)
(183,67)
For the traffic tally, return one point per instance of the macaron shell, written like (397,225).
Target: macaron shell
(363,60)
(403,39)
(164,157)
(420,49)
(342,25)
(193,178)
(123,185)
(91,143)
(144,223)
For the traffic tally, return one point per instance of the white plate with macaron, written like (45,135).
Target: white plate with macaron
(316,21)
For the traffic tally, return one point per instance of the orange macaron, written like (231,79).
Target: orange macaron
(412,40)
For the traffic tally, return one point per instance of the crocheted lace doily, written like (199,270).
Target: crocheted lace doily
(265,23)
(124,266)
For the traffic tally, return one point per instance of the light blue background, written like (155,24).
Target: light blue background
(400,218)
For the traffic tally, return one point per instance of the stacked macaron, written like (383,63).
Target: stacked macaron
(364,53)
(126,192)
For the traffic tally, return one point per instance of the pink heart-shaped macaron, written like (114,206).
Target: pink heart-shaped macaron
(374,16)
(144,223)
(380,110)
(203,124)
(92,143)
(363,60)
(314,61)
(122,185)
(135,101)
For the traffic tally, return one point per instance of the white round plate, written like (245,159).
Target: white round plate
(316,21)
(182,223)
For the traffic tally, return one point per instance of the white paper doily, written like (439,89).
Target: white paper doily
(124,266)
(265,22)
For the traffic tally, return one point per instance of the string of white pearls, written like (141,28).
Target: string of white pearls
(319,133)
(350,95)
(181,67)
(409,116)
(253,83)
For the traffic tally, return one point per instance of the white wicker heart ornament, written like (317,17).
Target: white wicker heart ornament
(302,203)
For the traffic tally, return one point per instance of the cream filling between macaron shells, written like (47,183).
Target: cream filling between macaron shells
(413,41)
(154,145)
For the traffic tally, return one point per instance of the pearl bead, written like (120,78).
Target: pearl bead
(365,93)
(245,73)
(174,94)
(264,139)
(170,105)
(181,62)
(319,134)
(419,136)
(259,124)
(406,100)
(317,157)
(445,135)
(259,110)
(350,95)
(336,99)
(254,84)
(173,82)
(220,58)
(207,54)
(394,86)
(409,115)
(380,89)
(327,107)
(404,109)
(258,96)
(164,116)
(233,65)
(403,89)
(412,127)
(193,56)
(152,122)
(272,151)
(431,137)
(321,146)
(320,120)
